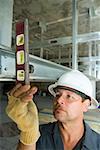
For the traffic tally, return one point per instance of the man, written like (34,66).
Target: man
(72,97)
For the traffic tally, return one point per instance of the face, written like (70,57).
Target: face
(68,106)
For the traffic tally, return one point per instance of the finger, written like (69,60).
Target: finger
(21,90)
(28,96)
(33,90)
(14,89)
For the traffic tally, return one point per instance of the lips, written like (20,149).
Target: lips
(58,108)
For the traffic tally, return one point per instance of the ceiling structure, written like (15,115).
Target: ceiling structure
(52,19)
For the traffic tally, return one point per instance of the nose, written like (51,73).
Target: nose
(60,100)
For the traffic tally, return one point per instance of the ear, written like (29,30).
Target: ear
(86,104)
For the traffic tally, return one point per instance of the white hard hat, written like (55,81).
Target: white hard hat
(78,81)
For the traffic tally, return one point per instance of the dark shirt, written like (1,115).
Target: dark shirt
(50,138)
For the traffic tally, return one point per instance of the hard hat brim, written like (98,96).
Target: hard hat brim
(94,102)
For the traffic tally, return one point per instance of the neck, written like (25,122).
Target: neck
(71,126)
(71,132)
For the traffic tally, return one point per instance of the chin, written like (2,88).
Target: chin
(58,117)
(62,118)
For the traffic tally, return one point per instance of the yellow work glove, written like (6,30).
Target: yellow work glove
(25,115)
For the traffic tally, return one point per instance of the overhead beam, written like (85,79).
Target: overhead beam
(40,69)
(81,38)
(80,59)
(6,17)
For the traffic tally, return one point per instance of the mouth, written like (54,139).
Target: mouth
(58,109)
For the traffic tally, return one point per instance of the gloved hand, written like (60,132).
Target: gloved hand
(22,110)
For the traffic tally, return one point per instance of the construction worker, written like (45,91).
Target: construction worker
(72,97)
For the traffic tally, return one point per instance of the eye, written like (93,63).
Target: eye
(57,95)
(68,96)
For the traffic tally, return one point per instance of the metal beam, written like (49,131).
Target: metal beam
(81,38)
(5,47)
(74,34)
(65,19)
(6,17)
(41,69)
(87,59)
(80,59)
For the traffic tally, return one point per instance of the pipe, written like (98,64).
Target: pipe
(74,34)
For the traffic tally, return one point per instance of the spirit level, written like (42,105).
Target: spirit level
(22,52)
